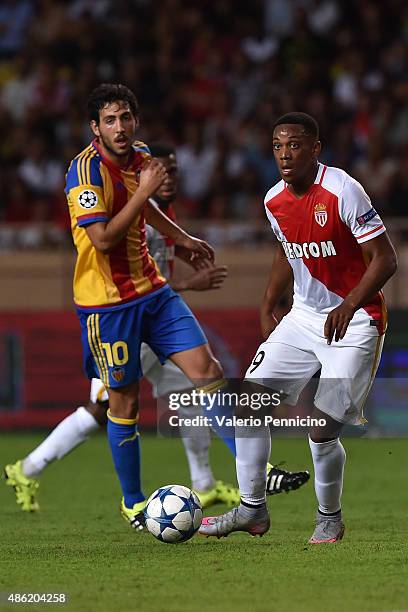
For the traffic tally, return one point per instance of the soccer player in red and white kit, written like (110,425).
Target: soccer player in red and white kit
(334,246)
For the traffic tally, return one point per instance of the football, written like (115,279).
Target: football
(173,514)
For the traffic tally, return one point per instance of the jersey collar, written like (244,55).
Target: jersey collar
(133,165)
(321,170)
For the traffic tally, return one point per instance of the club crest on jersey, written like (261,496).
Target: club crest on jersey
(320,214)
(118,374)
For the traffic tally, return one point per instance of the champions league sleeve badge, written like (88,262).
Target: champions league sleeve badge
(87,199)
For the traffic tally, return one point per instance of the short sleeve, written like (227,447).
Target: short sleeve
(274,224)
(84,189)
(357,212)
(141,147)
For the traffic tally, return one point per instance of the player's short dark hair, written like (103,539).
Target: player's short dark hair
(159,149)
(311,126)
(106,94)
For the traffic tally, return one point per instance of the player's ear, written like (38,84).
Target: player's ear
(137,122)
(94,127)
(317,148)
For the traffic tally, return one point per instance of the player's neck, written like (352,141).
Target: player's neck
(122,161)
(303,185)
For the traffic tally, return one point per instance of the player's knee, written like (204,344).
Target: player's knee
(98,411)
(205,368)
(207,371)
(213,369)
(130,409)
(200,366)
(324,434)
(320,437)
(126,408)
(124,402)
(328,428)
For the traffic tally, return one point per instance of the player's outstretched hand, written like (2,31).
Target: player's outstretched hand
(152,175)
(207,278)
(337,322)
(199,249)
(196,263)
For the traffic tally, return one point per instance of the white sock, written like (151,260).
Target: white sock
(253,452)
(197,442)
(73,430)
(328,460)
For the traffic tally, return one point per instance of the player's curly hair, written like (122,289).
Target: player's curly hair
(106,94)
(310,125)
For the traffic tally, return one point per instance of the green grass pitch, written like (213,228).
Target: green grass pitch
(78,543)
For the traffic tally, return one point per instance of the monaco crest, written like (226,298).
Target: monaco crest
(320,214)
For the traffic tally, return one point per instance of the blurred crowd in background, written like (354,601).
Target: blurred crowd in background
(211,78)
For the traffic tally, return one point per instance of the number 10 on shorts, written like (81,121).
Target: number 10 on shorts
(117,354)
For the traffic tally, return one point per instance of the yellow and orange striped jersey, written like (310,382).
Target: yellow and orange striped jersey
(97,190)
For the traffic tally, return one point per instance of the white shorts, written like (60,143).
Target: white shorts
(297,349)
(165,379)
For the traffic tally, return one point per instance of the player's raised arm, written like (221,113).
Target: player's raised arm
(280,277)
(199,249)
(106,235)
(382,265)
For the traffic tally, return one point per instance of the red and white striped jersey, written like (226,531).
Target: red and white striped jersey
(320,234)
